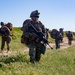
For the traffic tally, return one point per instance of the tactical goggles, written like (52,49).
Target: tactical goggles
(36,16)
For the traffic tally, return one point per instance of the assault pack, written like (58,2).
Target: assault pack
(10,26)
(24,39)
(55,34)
(6,29)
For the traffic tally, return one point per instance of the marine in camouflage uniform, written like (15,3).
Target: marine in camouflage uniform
(55,34)
(34,45)
(70,37)
(57,39)
(61,34)
(5,34)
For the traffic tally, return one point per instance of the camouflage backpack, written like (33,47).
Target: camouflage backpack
(24,39)
(69,35)
(53,33)
(10,26)
(4,31)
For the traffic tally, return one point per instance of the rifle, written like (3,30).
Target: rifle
(41,36)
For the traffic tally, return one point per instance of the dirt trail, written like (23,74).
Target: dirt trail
(62,46)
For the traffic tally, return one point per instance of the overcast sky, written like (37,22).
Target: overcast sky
(53,13)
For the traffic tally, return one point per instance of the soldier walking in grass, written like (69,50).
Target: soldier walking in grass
(57,39)
(5,33)
(55,34)
(70,37)
(32,41)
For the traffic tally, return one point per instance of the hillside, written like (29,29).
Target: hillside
(54,62)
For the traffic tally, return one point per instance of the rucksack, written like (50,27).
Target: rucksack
(53,33)
(10,26)
(24,39)
(4,31)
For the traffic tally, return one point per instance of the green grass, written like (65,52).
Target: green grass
(54,62)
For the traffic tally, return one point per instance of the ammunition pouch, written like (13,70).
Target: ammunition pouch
(24,40)
(42,48)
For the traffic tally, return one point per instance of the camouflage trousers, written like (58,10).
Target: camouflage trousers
(57,42)
(69,42)
(34,52)
(7,40)
(70,39)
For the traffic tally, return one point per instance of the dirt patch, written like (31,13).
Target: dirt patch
(64,44)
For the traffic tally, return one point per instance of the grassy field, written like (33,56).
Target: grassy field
(54,62)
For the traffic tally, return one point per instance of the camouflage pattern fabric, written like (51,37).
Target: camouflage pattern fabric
(4,31)
(61,31)
(24,39)
(9,25)
(34,47)
(5,35)
(7,40)
(70,37)
(55,34)
(61,34)
(57,39)
(47,31)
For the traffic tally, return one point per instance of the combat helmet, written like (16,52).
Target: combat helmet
(34,14)
(2,23)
